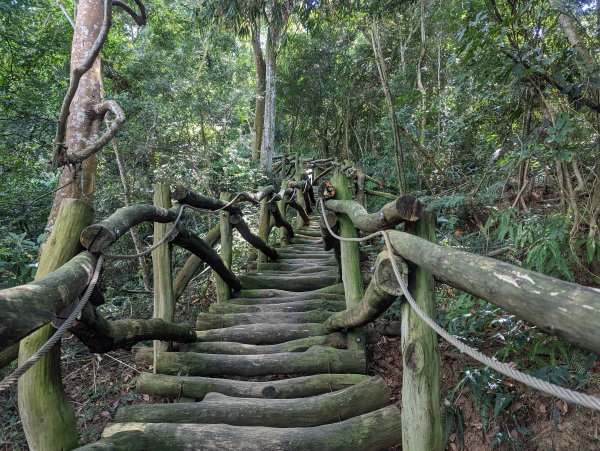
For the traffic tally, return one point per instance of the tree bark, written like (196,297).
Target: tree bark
(41,386)
(259,109)
(206,321)
(262,334)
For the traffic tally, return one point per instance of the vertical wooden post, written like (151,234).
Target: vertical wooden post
(264,226)
(350,258)
(299,194)
(421,418)
(164,296)
(47,415)
(284,234)
(223,290)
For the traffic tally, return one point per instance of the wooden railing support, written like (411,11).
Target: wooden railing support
(164,298)
(350,259)
(421,418)
(264,220)
(284,237)
(223,290)
(47,416)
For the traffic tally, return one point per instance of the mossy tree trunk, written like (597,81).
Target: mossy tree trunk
(350,259)
(164,298)
(46,414)
(421,418)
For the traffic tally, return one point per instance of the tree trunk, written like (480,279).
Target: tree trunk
(268,143)
(259,109)
(83,125)
(46,414)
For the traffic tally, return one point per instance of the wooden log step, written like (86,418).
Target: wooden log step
(290,265)
(337,340)
(318,359)
(284,257)
(309,296)
(373,431)
(207,321)
(198,387)
(307,232)
(285,252)
(337,288)
(262,334)
(294,306)
(298,283)
(364,397)
(306,240)
(299,270)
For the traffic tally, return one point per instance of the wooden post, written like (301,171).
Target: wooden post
(223,290)
(264,222)
(299,195)
(284,236)
(421,418)
(164,297)
(350,259)
(47,415)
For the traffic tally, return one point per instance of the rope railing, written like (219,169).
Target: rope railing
(566,394)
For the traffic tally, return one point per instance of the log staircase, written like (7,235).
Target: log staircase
(263,373)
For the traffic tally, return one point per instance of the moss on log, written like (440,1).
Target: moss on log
(198,387)
(207,321)
(337,340)
(307,296)
(350,259)
(25,308)
(41,386)
(403,209)
(191,242)
(564,309)
(380,294)
(259,334)
(364,397)
(299,283)
(337,288)
(421,416)
(294,306)
(317,359)
(373,431)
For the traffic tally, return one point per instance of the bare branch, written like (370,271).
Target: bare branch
(78,72)
(101,109)
(61,5)
(141,18)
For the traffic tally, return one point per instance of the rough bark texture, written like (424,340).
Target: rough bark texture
(380,294)
(421,417)
(302,344)
(193,263)
(405,208)
(350,259)
(259,109)
(364,397)
(564,309)
(41,386)
(373,431)
(262,333)
(198,387)
(318,359)
(83,125)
